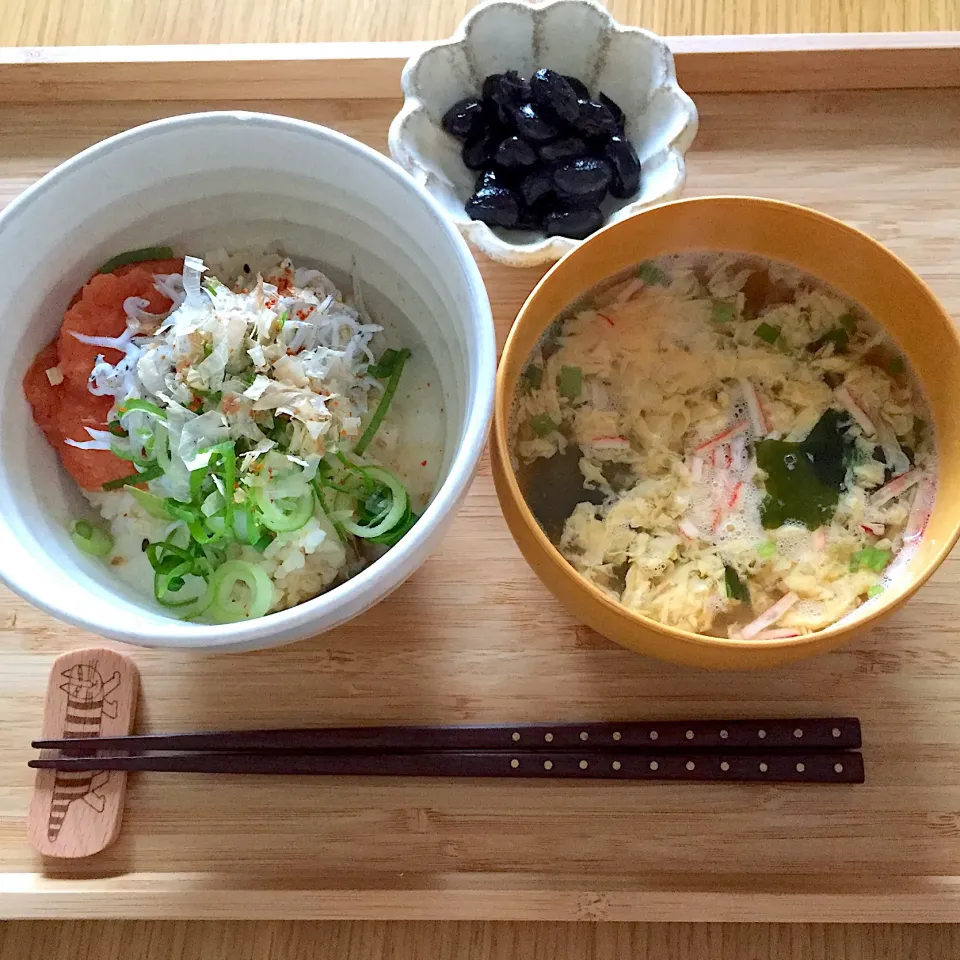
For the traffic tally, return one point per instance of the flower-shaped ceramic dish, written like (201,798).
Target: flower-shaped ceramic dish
(574,37)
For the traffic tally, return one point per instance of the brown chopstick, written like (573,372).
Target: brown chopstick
(714,766)
(805,734)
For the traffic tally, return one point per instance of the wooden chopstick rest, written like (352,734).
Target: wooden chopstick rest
(91,693)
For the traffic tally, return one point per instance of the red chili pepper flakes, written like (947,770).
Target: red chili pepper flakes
(605,317)
(423,463)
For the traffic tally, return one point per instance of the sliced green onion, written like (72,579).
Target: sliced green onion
(872,558)
(264,542)
(136,256)
(837,336)
(896,366)
(227,607)
(181,511)
(211,504)
(282,320)
(570,382)
(767,332)
(848,321)
(533,376)
(398,507)
(542,425)
(283,514)
(397,363)
(387,363)
(161,447)
(652,274)
(767,549)
(122,452)
(144,406)
(392,537)
(91,538)
(150,472)
(722,312)
(875,591)
(224,455)
(735,587)
(207,529)
(322,500)
(154,505)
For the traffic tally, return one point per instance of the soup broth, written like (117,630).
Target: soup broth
(726,445)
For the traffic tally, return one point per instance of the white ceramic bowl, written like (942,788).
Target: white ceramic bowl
(234,180)
(578,37)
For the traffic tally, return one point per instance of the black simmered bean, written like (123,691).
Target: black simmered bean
(586,175)
(466,119)
(515,154)
(624,166)
(478,154)
(489,179)
(614,108)
(535,187)
(528,220)
(496,206)
(581,201)
(560,151)
(555,92)
(506,88)
(531,124)
(594,120)
(579,87)
(575,224)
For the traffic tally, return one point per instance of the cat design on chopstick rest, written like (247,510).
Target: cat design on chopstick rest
(86,705)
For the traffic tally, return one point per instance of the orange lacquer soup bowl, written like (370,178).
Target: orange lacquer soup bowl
(844,258)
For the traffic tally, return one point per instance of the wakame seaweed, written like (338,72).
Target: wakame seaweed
(804,479)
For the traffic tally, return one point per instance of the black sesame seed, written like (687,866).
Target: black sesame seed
(246,268)
(144,544)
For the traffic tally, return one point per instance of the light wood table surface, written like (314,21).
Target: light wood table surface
(62,22)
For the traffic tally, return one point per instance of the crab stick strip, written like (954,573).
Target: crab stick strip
(919,512)
(819,538)
(709,445)
(630,290)
(696,469)
(849,404)
(610,443)
(758,418)
(735,495)
(895,487)
(689,530)
(777,633)
(872,527)
(769,616)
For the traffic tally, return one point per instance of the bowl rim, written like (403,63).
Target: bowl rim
(546,249)
(593,594)
(283,626)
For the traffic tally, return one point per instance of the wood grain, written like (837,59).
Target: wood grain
(238,940)
(474,638)
(57,22)
(157,21)
(330,71)
(91,692)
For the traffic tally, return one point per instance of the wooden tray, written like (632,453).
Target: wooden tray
(473,637)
